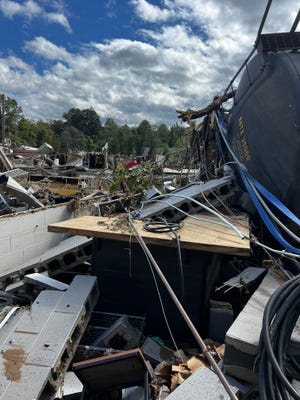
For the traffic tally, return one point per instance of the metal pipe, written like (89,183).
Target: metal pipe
(239,70)
(255,45)
(263,21)
(296,22)
(185,316)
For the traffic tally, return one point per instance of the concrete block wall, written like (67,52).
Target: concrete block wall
(24,236)
(242,339)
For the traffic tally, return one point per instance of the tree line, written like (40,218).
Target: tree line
(83,130)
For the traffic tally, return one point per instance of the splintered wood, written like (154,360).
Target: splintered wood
(169,375)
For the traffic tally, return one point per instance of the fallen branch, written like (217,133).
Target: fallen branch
(215,104)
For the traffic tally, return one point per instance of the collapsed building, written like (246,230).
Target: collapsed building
(119,308)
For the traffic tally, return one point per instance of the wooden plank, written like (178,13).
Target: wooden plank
(195,234)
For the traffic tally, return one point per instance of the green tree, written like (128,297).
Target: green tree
(128,140)
(163,133)
(87,121)
(57,126)
(176,136)
(43,133)
(144,136)
(110,135)
(89,145)
(13,113)
(25,133)
(70,140)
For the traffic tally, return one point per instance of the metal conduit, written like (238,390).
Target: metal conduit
(182,311)
(296,22)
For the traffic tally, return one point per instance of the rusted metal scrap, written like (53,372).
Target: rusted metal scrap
(189,114)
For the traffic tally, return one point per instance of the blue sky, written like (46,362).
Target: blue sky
(128,59)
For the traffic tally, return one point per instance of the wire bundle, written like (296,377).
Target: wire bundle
(277,366)
(162,227)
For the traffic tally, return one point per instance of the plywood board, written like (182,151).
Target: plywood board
(195,234)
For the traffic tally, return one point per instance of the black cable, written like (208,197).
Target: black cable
(163,227)
(277,367)
(13,299)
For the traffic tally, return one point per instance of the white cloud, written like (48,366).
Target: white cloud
(186,54)
(17,76)
(58,18)
(43,47)
(176,36)
(31,9)
(151,13)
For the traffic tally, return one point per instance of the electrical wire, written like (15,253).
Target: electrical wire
(162,306)
(229,211)
(252,239)
(13,298)
(250,181)
(283,253)
(183,313)
(265,213)
(163,227)
(218,215)
(280,316)
(193,216)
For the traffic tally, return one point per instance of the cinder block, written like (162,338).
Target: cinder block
(22,240)
(247,326)
(13,259)
(11,225)
(54,214)
(34,220)
(242,338)
(41,234)
(5,246)
(44,338)
(35,250)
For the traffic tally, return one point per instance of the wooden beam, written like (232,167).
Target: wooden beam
(194,235)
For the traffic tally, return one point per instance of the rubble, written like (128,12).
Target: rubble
(155,255)
(37,346)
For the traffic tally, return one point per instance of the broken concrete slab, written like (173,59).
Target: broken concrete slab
(156,352)
(242,338)
(183,199)
(38,344)
(123,328)
(203,384)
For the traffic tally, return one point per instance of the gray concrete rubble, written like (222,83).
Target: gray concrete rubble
(37,344)
(65,255)
(241,357)
(183,199)
(204,384)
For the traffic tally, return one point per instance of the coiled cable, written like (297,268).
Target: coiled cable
(277,366)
